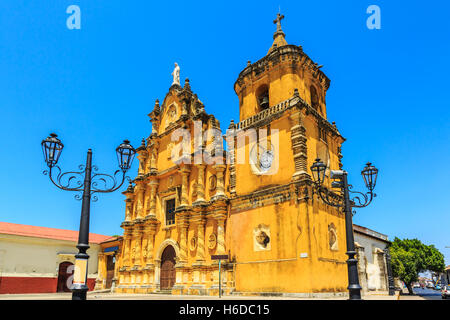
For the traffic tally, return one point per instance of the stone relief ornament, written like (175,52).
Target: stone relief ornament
(212,183)
(261,238)
(212,241)
(193,243)
(144,253)
(171,115)
(169,150)
(170,182)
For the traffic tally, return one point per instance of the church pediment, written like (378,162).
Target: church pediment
(179,103)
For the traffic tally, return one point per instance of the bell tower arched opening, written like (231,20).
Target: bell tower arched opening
(262,96)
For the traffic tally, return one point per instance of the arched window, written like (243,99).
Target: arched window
(314,98)
(262,95)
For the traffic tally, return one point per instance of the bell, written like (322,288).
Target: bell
(264,102)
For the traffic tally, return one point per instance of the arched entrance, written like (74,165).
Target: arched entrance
(167,268)
(63,274)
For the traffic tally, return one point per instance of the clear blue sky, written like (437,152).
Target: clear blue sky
(95,87)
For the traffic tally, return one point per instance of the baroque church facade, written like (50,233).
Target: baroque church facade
(278,236)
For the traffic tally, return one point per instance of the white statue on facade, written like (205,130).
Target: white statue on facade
(176,75)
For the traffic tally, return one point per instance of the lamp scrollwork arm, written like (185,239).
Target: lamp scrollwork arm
(70,181)
(324,195)
(104,183)
(361,200)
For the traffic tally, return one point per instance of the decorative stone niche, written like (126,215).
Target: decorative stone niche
(212,183)
(332,237)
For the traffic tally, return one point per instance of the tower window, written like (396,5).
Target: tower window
(170,212)
(314,98)
(263,97)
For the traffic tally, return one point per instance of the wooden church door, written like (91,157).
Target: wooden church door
(167,268)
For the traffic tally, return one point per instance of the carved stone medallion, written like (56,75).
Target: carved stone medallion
(212,241)
(212,183)
(193,243)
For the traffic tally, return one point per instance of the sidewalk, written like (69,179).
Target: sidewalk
(116,296)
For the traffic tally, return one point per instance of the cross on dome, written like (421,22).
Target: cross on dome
(278,36)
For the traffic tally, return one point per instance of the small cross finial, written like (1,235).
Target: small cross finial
(278,21)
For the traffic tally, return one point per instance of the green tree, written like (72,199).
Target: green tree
(409,257)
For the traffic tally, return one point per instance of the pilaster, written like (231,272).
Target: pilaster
(220,175)
(185,171)
(299,148)
(140,189)
(151,210)
(200,184)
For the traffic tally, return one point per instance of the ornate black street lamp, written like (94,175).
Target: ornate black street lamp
(92,183)
(361,200)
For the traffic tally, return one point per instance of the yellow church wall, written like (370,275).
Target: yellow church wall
(285,162)
(281,269)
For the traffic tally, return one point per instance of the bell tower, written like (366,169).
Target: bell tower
(279,228)
(283,94)
(274,78)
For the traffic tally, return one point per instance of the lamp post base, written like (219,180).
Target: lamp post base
(79,292)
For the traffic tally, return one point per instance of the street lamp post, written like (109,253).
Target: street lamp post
(361,200)
(88,185)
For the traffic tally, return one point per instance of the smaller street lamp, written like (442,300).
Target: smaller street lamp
(369,174)
(88,183)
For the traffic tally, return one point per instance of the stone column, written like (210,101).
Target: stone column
(101,271)
(298,140)
(153,160)
(183,229)
(126,248)
(149,263)
(150,246)
(221,235)
(199,267)
(200,256)
(142,158)
(128,209)
(137,234)
(115,279)
(140,201)
(381,262)
(361,267)
(144,242)
(151,211)
(184,185)
(231,155)
(201,183)
(220,188)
